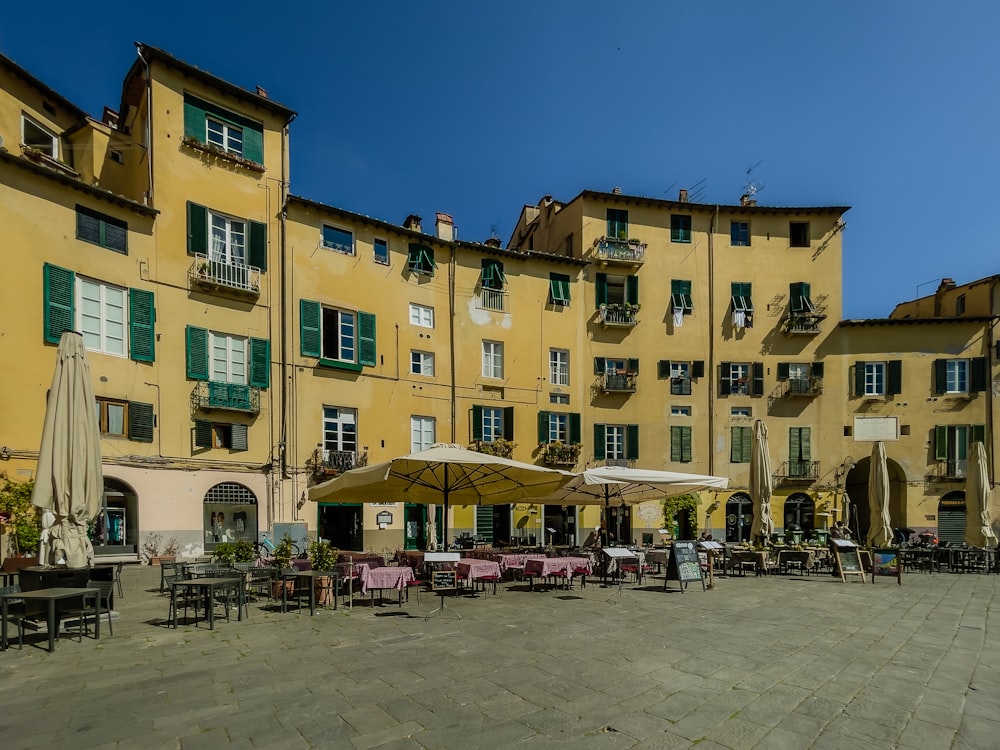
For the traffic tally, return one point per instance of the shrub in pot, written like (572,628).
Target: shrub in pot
(323,557)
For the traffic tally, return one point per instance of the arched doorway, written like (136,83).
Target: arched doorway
(230,514)
(800,511)
(739,517)
(951,518)
(857,490)
(115,531)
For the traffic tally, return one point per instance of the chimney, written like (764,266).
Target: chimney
(262,92)
(746,200)
(412,222)
(493,242)
(946,285)
(682,196)
(445,226)
(616,190)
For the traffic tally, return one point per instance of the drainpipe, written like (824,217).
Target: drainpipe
(451,345)
(149,132)
(710,365)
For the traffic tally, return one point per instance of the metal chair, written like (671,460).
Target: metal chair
(117,578)
(84,613)
(16,610)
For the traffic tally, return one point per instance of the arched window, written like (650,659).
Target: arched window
(230,514)
(739,517)
(800,511)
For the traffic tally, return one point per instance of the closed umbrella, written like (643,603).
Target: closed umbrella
(69,482)
(880,527)
(760,484)
(978,524)
(444,473)
(432,542)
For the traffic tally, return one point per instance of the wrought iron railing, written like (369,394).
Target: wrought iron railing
(222,274)
(811,386)
(803,322)
(618,315)
(624,251)
(209,394)
(618,382)
(493,299)
(793,471)
(953,468)
(333,462)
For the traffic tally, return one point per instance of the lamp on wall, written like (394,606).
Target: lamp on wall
(302,501)
(4,454)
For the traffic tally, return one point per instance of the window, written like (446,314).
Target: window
(680,296)
(381,251)
(558,289)
(340,338)
(420,260)
(220,435)
(616,290)
(421,315)
(98,311)
(680,444)
(422,433)
(799,297)
(739,444)
(229,240)
(101,229)
(680,411)
(340,429)
(490,423)
(558,367)
(492,275)
(223,130)
(492,359)
(227,358)
(739,233)
(341,240)
(878,379)
(111,415)
(39,137)
(679,374)
(559,398)
(742,304)
(422,363)
(560,427)
(742,378)
(616,443)
(798,233)
(799,452)
(617,224)
(680,228)
(102,316)
(952,443)
(960,375)
(960,305)
(221,358)
(740,411)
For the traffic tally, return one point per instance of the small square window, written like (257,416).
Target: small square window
(421,315)
(422,363)
(340,240)
(739,233)
(680,228)
(798,233)
(559,398)
(740,411)
(680,411)
(381,251)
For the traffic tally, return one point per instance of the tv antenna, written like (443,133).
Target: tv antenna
(495,231)
(697,191)
(751,188)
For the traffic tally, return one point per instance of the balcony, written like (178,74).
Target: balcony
(803,323)
(806,387)
(625,463)
(680,386)
(952,470)
(218,275)
(208,395)
(618,382)
(492,299)
(560,454)
(620,252)
(329,463)
(797,471)
(618,315)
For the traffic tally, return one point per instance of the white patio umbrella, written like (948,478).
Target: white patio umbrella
(444,473)
(760,483)
(978,524)
(880,526)
(69,482)
(432,542)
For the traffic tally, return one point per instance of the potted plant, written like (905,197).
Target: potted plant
(156,551)
(323,557)
(243,551)
(225,552)
(558,453)
(282,560)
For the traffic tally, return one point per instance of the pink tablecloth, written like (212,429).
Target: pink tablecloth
(385,578)
(514,560)
(474,569)
(549,565)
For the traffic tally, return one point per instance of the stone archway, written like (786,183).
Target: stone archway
(856,485)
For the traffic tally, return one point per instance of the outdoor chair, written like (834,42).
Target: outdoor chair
(493,581)
(580,573)
(416,584)
(16,610)
(117,578)
(84,612)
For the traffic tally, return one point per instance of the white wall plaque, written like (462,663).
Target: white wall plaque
(876,428)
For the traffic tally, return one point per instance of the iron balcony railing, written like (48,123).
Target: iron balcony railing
(228,396)
(337,462)
(625,463)
(221,274)
(620,251)
(807,323)
(618,382)
(493,299)
(680,386)
(618,315)
(811,386)
(793,471)
(953,468)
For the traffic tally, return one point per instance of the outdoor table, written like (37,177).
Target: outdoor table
(805,558)
(515,560)
(380,579)
(548,566)
(472,568)
(311,576)
(209,586)
(51,596)
(759,558)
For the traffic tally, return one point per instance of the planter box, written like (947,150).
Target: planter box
(159,559)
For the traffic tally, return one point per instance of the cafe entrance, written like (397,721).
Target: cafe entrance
(342,524)
(739,517)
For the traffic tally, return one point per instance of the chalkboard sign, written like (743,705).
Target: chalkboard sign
(847,559)
(444,580)
(886,562)
(684,565)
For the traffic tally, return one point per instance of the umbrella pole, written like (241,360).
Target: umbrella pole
(444,517)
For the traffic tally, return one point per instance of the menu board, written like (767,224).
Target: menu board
(886,562)
(847,559)
(444,580)
(684,565)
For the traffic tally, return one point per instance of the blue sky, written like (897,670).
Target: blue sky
(478,108)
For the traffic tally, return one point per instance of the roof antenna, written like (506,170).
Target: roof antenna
(751,188)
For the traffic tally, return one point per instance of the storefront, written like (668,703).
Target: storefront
(229,514)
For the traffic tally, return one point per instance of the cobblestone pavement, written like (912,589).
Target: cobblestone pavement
(773,662)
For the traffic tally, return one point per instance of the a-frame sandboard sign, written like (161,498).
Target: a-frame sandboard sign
(847,559)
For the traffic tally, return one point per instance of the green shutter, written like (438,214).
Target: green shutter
(141,319)
(675,444)
(88,225)
(859,378)
(58,299)
(600,289)
(574,429)
(783,371)
(735,445)
(367,354)
(978,375)
(260,363)
(238,437)
(194,120)
(817,369)
(698,368)
(197,219)
(253,145)
(309,328)
(941,442)
(977,434)
(940,375)
(747,441)
(477,423)
(757,387)
(632,290)
(197,353)
(663,368)
(258,245)
(140,422)
(203,434)
(804,438)
(600,442)
(632,441)
(600,365)
(725,380)
(508,423)
(793,445)
(633,366)
(686,444)
(543,427)
(894,378)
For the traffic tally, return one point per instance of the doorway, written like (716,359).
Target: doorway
(560,525)
(739,517)
(342,524)
(414,526)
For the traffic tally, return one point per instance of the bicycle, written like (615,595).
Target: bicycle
(265,548)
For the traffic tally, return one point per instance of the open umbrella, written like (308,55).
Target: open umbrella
(69,482)
(760,483)
(443,473)
(978,525)
(880,525)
